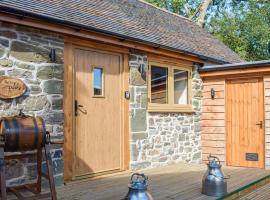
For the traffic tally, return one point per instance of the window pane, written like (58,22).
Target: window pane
(97,80)
(159,85)
(180,86)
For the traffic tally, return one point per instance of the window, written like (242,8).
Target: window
(180,78)
(169,88)
(159,85)
(98,80)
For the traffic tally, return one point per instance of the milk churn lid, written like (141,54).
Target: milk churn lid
(138,181)
(213,161)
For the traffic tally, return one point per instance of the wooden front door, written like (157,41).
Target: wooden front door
(97,113)
(245,122)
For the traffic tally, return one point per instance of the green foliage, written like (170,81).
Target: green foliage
(172,5)
(243,25)
(159,3)
(177,5)
(245,29)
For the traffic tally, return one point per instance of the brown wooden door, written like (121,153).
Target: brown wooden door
(245,122)
(98,119)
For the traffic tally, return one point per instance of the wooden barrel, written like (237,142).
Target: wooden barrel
(22,133)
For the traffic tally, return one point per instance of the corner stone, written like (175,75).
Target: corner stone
(136,77)
(134,152)
(197,156)
(138,121)
(140,165)
(139,136)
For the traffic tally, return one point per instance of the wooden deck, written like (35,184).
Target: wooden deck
(262,193)
(179,181)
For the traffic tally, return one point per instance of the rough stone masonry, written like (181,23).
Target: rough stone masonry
(159,139)
(24,53)
(155,138)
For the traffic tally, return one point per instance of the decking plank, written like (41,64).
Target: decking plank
(262,193)
(178,181)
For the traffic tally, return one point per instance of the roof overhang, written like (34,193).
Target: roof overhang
(256,68)
(20,14)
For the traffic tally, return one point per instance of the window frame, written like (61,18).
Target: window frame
(170,106)
(102,83)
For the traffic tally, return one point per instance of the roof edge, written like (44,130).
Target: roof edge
(243,65)
(21,13)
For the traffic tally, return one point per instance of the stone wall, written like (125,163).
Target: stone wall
(158,139)
(24,53)
(155,138)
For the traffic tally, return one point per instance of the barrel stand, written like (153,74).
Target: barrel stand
(34,188)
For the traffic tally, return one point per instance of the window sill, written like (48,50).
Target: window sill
(169,108)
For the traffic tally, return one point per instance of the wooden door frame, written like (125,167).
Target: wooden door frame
(226,107)
(69,95)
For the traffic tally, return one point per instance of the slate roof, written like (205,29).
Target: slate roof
(130,19)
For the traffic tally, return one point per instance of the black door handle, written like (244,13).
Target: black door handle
(260,124)
(78,107)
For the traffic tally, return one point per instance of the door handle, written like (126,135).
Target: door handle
(79,107)
(260,124)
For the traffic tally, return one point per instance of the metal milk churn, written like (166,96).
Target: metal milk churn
(138,188)
(214,182)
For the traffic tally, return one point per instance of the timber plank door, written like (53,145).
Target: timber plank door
(97,113)
(245,123)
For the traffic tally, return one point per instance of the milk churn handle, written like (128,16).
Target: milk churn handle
(226,177)
(145,178)
(214,158)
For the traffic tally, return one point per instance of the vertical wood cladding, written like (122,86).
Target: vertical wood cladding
(266,80)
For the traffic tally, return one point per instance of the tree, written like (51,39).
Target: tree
(243,25)
(196,9)
(202,12)
(245,29)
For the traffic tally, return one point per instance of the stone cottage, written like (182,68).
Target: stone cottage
(124,91)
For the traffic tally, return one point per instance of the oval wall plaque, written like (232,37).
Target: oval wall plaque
(11,87)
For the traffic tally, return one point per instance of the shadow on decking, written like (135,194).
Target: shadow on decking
(179,181)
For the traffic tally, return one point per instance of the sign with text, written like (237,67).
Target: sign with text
(11,87)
